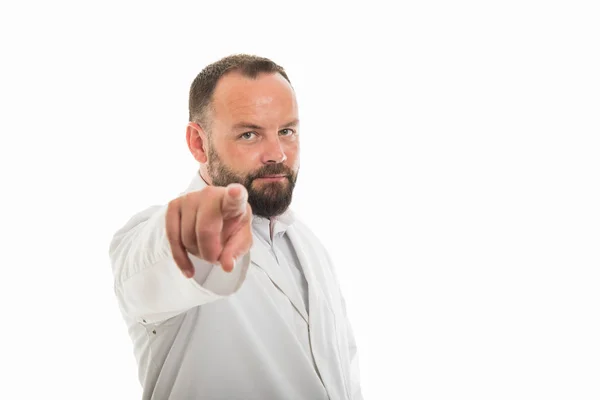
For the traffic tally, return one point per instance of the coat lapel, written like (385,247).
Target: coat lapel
(311,266)
(262,259)
(325,344)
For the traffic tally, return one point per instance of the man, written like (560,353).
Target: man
(226,294)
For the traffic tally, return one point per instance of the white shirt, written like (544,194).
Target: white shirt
(273,328)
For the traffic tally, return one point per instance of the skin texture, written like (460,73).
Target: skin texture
(249,155)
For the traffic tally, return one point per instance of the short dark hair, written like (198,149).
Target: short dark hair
(203,87)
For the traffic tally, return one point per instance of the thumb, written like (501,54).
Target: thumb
(233,203)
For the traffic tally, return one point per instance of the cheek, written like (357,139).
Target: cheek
(244,159)
(246,155)
(292,151)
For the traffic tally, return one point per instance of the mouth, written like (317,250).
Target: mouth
(272,178)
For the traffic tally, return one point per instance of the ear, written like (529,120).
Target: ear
(197,141)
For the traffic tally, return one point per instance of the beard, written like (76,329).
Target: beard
(268,199)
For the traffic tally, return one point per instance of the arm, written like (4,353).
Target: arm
(149,286)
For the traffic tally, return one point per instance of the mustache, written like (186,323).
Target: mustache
(272,169)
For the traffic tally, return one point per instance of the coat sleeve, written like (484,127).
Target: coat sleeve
(149,286)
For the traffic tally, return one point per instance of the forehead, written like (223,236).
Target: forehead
(269,95)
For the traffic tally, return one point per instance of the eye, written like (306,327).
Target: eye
(286,132)
(247,135)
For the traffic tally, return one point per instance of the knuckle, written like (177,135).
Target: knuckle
(208,191)
(173,203)
(186,200)
(190,199)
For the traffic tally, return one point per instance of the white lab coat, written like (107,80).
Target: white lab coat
(234,335)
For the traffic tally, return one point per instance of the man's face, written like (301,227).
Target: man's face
(254,139)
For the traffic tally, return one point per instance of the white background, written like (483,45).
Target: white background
(450,163)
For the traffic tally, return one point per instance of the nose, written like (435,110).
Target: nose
(273,152)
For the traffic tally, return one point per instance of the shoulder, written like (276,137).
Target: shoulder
(318,248)
(138,219)
(302,228)
(141,216)
(308,235)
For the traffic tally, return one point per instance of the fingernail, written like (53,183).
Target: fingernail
(188,274)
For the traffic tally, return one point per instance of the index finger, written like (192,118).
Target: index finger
(233,202)
(173,225)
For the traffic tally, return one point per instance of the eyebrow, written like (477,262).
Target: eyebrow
(247,125)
